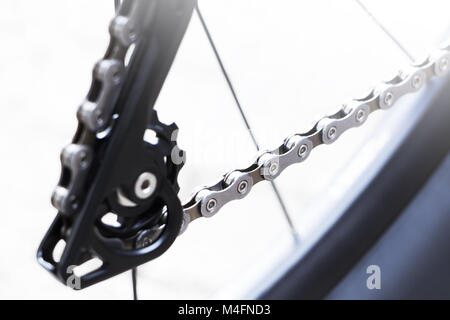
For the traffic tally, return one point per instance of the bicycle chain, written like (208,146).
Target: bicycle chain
(237,184)
(95,115)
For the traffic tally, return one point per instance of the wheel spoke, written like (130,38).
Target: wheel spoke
(245,119)
(386,31)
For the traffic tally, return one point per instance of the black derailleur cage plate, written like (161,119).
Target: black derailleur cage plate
(120,157)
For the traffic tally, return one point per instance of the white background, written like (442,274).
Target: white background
(290,62)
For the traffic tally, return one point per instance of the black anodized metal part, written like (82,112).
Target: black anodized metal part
(120,157)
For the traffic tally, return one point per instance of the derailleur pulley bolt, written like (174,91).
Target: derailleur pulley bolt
(145,185)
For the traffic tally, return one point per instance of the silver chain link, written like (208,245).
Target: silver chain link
(207,201)
(95,115)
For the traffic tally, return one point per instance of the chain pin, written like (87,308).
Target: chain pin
(361,115)
(302,151)
(389,99)
(211,205)
(417,81)
(332,133)
(243,187)
(443,64)
(83,160)
(273,168)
